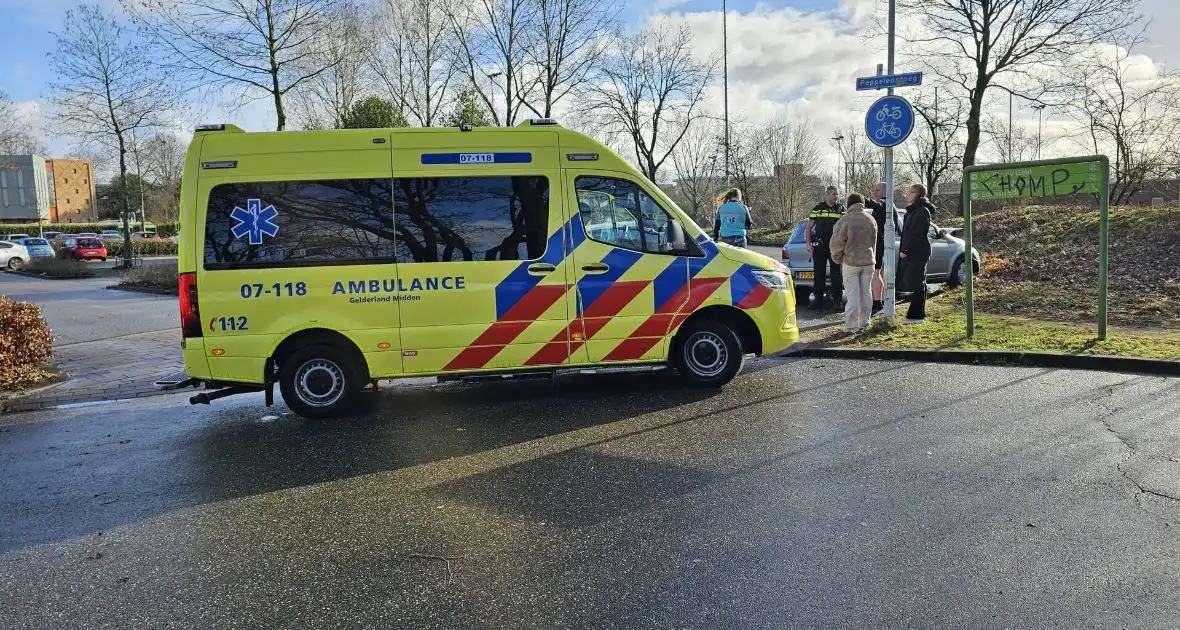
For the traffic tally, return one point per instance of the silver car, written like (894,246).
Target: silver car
(13,255)
(945,266)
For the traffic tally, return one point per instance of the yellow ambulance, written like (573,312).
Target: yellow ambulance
(325,260)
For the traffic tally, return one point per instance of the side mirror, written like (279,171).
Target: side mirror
(942,232)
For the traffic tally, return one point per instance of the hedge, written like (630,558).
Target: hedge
(142,248)
(164,229)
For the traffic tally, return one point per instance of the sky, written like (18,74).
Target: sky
(787,58)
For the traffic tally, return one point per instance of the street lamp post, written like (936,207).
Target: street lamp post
(492,78)
(1040,107)
(725,77)
(839,140)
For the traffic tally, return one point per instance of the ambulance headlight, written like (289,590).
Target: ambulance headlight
(772,279)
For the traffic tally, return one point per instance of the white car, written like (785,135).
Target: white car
(108,235)
(175,238)
(13,255)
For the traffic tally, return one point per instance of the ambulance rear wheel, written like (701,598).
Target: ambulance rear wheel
(708,353)
(320,381)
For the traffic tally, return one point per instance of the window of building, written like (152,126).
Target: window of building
(20,186)
(67,202)
(328,222)
(452,219)
(618,212)
(84,182)
(4,188)
(75,171)
(75,191)
(65,180)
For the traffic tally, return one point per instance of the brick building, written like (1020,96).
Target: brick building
(72,191)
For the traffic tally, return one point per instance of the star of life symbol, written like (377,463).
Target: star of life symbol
(254,221)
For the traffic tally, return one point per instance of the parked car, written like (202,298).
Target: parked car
(88,248)
(13,237)
(945,266)
(13,255)
(49,236)
(86,235)
(175,238)
(107,235)
(145,236)
(38,247)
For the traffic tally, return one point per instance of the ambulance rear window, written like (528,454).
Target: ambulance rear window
(449,219)
(299,223)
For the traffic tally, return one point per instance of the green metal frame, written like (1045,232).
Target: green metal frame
(1103,228)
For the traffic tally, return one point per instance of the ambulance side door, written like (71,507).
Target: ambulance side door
(480,246)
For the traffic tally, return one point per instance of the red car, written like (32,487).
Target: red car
(84,248)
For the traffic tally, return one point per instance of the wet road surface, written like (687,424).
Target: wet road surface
(807,494)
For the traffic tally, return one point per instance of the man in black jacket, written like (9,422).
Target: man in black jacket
(820,223)
(914,252)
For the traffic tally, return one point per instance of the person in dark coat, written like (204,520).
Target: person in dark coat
(914,252)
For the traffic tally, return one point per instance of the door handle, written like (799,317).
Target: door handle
(541,268)
(596,268)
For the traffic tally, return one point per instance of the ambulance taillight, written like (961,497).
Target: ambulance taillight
(190,314)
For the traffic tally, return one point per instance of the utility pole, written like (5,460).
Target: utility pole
(890,228)
(725,77)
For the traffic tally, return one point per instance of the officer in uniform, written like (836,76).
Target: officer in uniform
(819,236)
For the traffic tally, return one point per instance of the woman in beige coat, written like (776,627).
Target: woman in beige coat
(854,244)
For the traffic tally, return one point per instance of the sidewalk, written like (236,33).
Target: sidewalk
(108,369)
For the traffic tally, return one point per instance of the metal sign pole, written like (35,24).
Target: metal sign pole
(890,242)
(969,279)
(1103,240)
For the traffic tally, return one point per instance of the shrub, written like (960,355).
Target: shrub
(58,268)
(164,228)
(26,343)
(142,248)
(162,276)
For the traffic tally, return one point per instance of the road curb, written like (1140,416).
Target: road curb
(11,400)
(1101,363)
(152,290)
(41,277)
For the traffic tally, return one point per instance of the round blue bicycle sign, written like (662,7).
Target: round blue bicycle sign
(889,121)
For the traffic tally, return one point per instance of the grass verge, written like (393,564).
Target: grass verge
(946,329)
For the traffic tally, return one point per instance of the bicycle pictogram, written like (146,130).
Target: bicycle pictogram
(888,129)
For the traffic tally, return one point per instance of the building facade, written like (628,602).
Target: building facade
(72,191)
(24,189)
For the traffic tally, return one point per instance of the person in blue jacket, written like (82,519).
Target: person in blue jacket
(733,219)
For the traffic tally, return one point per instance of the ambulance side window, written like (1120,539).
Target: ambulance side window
(455,219)
(618,212)
(299,223)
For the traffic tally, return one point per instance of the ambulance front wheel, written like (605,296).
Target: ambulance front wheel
(320,381)
(708,353)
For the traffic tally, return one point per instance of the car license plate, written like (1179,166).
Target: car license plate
(806,275)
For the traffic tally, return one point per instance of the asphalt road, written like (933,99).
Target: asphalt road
(84,310)
(807,494)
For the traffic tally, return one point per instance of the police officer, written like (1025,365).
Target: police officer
(733,219)
(819,235)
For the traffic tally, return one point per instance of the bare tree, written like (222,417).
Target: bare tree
(862,163)
(106,90)
(163,162)
(1128,110)
(414,56)
(267,48)
(791,152)
(1013,142)
(1015,45)
(936,145)
(493,38)
(652,93)
(16,133)
(695,163)
(572,38)
(324,100)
